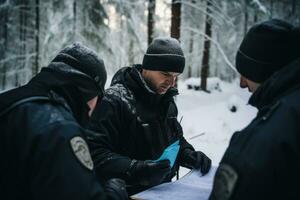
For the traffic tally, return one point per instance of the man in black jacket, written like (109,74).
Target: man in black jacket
(263,160)
(137,120)
(43,151)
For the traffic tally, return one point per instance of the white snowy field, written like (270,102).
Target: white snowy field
(207,121)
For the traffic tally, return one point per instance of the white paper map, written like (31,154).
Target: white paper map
(192,186)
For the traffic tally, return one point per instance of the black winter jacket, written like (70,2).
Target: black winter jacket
(263,160)
(39,122)
(133,122)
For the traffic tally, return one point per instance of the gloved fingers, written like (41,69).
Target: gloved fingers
(206,164)
(115,183)
(156,178)
(165,171)
(163,164)
(198,156)
(118,182)
(116,189)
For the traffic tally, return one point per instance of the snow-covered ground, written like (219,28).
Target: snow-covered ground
(207,121)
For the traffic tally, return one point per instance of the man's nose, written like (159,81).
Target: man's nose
(172,81)
(243,82)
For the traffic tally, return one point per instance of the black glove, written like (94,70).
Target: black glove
(149,173)
(197,160)
(115,189)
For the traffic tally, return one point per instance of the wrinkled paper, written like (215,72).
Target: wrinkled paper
(193,186)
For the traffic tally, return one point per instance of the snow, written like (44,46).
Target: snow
(208,122)
(260,6)
(212,83)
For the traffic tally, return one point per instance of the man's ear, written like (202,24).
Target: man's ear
(92,104)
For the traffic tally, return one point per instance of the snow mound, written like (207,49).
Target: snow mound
(213,83)
(235,103)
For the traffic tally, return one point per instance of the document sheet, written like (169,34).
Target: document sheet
(193,186)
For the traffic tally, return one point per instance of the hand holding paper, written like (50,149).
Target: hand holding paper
(170,153)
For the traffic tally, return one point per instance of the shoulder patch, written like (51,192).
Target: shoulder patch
(81,151)
(224,183)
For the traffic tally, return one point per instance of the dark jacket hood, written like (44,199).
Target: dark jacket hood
(50,80)
(278,85)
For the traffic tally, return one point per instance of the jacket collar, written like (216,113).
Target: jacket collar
(278,85)
(133,79)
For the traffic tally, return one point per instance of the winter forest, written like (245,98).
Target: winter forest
(33,31)
(210,31)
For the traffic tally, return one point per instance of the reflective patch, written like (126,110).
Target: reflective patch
(81,150)
(224,183)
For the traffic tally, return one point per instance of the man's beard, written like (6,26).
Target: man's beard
(150,84)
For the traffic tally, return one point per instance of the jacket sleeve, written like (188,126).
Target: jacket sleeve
(184,145)
(237,178)
(105,140)
(60,164)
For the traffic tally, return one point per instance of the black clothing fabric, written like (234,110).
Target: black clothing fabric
(50,80)
(149,173)
(266,48)
(115,189)
(38,122)
(164,54)
(39,161)
(134,123)
(263,160)
(84,60)
(197,160)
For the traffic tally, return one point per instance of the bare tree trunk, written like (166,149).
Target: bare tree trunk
(293,7)
(4,50)
(121,57)
(25,30)
(271,8)
(191,45)
(74,19)
(175,19)
(37,36)
(151,13)
(20,63)
(190,53)
(131,53)
(245,7)
(24,25)
(255,17)
(21,18)
(206,50)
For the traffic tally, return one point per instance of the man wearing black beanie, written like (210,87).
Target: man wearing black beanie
(263,160)
(42,146)
(137,120)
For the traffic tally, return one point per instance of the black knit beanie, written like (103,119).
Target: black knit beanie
(164,54)
(85,61)
(266,48)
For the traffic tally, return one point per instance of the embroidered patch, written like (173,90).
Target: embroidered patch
(81,151)
(224,183)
